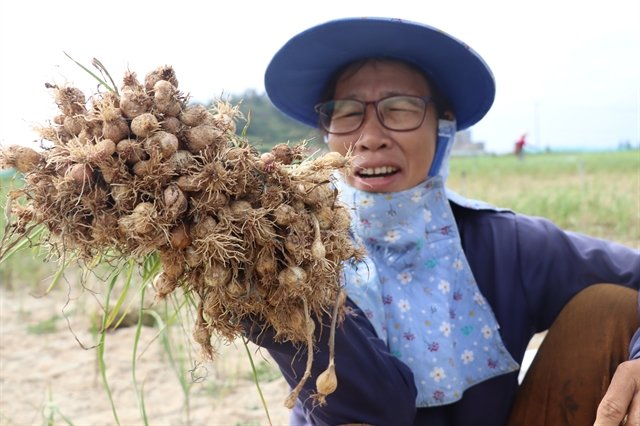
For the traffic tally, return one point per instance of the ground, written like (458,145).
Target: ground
(49,374)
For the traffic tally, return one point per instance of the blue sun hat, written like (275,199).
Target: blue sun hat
(299,72)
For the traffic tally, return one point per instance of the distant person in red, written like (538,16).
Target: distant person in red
(519,146)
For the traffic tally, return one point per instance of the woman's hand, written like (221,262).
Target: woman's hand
(374,386)
(621,403)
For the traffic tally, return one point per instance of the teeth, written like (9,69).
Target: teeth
(378,171)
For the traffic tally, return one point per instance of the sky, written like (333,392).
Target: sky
(567,72)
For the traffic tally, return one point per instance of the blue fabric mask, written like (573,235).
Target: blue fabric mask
(419,293)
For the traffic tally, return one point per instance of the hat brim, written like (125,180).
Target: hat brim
(298,73)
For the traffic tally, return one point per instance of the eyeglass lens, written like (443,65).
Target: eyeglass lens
(395,113)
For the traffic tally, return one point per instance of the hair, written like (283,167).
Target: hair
(443,106)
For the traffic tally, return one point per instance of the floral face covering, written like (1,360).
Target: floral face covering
(419,293)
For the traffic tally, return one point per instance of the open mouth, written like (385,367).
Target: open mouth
(373,172)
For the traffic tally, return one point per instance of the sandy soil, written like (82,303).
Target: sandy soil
(46,374)
(49,372)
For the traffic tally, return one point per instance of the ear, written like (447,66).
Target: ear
(448,115)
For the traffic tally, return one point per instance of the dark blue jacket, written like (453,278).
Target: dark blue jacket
(526,268)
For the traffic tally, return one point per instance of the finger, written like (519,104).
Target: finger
(633,417)
(618,398)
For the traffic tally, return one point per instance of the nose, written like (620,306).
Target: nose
(373,136)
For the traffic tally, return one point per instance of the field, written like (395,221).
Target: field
(57,366)
(593,193)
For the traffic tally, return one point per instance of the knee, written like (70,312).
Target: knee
(612,297)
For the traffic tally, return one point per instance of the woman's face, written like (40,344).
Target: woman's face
(385,160)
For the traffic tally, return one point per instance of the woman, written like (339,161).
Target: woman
(452,290)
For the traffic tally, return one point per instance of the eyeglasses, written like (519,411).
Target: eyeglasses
(399,113)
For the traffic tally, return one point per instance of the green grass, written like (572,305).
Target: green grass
(51,412)
(593,193)
(266,372)
(50,325)
(29,265)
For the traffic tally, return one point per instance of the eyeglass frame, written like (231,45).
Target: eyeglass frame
(426,99)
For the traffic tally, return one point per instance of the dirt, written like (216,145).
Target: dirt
(49,372)
(50,375)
